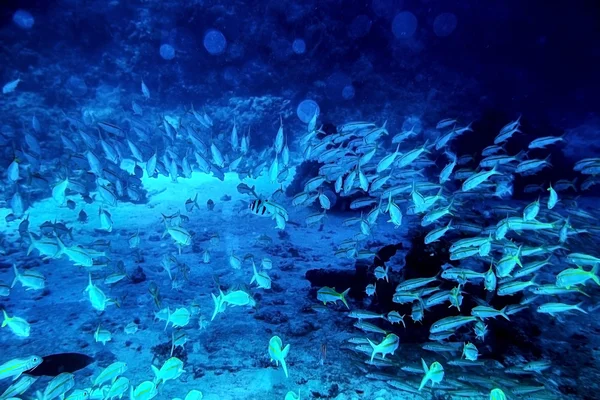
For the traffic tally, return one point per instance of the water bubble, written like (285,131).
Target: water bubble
(214,42)
(23,19)
(299,46)
(404,25)
(336,84)
(167,52)
(360,27)
(444,24)
(306,110)
(348,92)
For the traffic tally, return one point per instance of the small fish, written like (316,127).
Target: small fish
(381,273)
(10,86)
(210,205)
(329,295)
(370,289)
(445,123)
(553,198)
(435,374)
(394,317)
(556,308)
(82,217)
(131,328)
(278,353)
(16,367)
(102,336)
(387,346)
(542,142)
(470,352)
(145,90)
(17,325)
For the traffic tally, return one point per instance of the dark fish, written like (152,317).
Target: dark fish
(133,194)
(48,229)
(71,204)
(111,128)
(217,173)
(10,218)
(245,189)
(160,166)
(210,205)
(24,226)
(56,364)
(83,218)
(190,204)
(138,171)
(87,198)
(36,181)
(225,198)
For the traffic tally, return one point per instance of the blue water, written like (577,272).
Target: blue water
(196,185)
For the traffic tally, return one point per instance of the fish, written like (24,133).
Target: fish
(145,90)
(191,203)
(387,346)
(556,308)
(17,325)
(10,86)
(329,295)
(542,142)
(245,189)
(434,373)
(278,353)
(445,123)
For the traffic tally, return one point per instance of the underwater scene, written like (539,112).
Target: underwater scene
(286,199)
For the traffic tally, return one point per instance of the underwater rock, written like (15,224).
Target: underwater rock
(299,328)
(138,275)
(271,316)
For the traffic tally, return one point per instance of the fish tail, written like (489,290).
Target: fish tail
(217,301)
(61,248)
(284,366)
(156,379)
(503,314)
(578,308)
(594,274)
(14,282)
(32,245)
(6,318)
(172,343)
(374,347)
(423,381)
(343,297)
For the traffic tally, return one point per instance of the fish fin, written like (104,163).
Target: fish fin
(284,365)
(6,318)
(14,282)
(578,308)
(285,351)
(343,297)
(503,314)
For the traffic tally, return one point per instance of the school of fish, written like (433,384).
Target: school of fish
(503,248)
